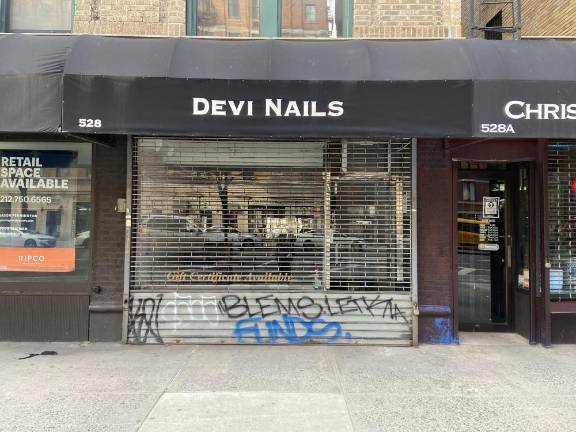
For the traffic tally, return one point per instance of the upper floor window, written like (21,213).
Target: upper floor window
(233,9)
(226,18)
(495,22)
(313,18)
(310,13)
(39,16)
(255,9)
(271,18)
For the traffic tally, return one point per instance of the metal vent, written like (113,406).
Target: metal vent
(241,217)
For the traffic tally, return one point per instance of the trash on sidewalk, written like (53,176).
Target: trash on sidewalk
(42,353)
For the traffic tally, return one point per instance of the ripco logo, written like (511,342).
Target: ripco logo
(31,259)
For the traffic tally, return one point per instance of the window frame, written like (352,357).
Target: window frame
(5,20)
(3,16)
(270,18)
(236,9)
(51,281)
(312,18)
(254,7)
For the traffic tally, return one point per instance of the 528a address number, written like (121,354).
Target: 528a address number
(89,123)
(501,128)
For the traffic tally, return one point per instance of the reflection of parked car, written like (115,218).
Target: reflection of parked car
(315,238)
(82,239)
(219,234)
(469,231)
(167,237)
(166,226)
(17,238)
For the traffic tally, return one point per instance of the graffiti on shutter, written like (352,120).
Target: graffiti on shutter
(269,318)
(270,242)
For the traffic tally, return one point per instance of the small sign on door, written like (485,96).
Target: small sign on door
(491,207)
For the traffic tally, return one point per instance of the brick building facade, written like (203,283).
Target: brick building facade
(102,297)
(390,19)
(131,17)
(371,19)
(550,19)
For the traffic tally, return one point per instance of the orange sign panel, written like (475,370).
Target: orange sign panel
(37,259)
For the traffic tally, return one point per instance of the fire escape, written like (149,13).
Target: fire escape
(492,19)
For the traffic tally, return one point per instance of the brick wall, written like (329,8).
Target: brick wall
(551,18)
(407,18)
(539,19)
(131,17)
(435,240)
(109,184)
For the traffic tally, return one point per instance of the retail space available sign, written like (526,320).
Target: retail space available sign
(34,212)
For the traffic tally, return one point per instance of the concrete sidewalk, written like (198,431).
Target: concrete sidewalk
(488,383)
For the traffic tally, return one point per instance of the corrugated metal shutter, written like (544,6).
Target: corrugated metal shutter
(561,217)
(271,242)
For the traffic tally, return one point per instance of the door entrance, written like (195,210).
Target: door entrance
(494,247)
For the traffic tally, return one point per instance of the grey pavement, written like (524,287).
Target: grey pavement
(491,382)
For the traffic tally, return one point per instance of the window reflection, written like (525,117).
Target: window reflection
(40,15)
(312,18)
(228,18)
(45,211)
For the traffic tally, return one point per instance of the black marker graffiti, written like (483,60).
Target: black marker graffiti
(235,307)
(143,319)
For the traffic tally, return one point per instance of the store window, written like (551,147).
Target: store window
(45,205)
(281,215)
(562,219)
(39,16)
(270,18)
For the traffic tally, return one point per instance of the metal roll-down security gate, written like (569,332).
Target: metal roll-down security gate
(271,242)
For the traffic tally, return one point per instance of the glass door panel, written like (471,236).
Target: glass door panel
(482,244)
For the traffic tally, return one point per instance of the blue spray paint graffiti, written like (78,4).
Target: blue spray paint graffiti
(442,331)
(292,328)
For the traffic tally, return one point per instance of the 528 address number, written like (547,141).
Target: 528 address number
(89,123)
(501,128)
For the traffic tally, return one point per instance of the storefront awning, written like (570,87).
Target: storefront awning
(287,88)
(31,71)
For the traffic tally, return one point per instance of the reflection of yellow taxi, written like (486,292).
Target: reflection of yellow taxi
(469,231)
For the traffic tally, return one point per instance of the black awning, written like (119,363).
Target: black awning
(289,88)
(31,71)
